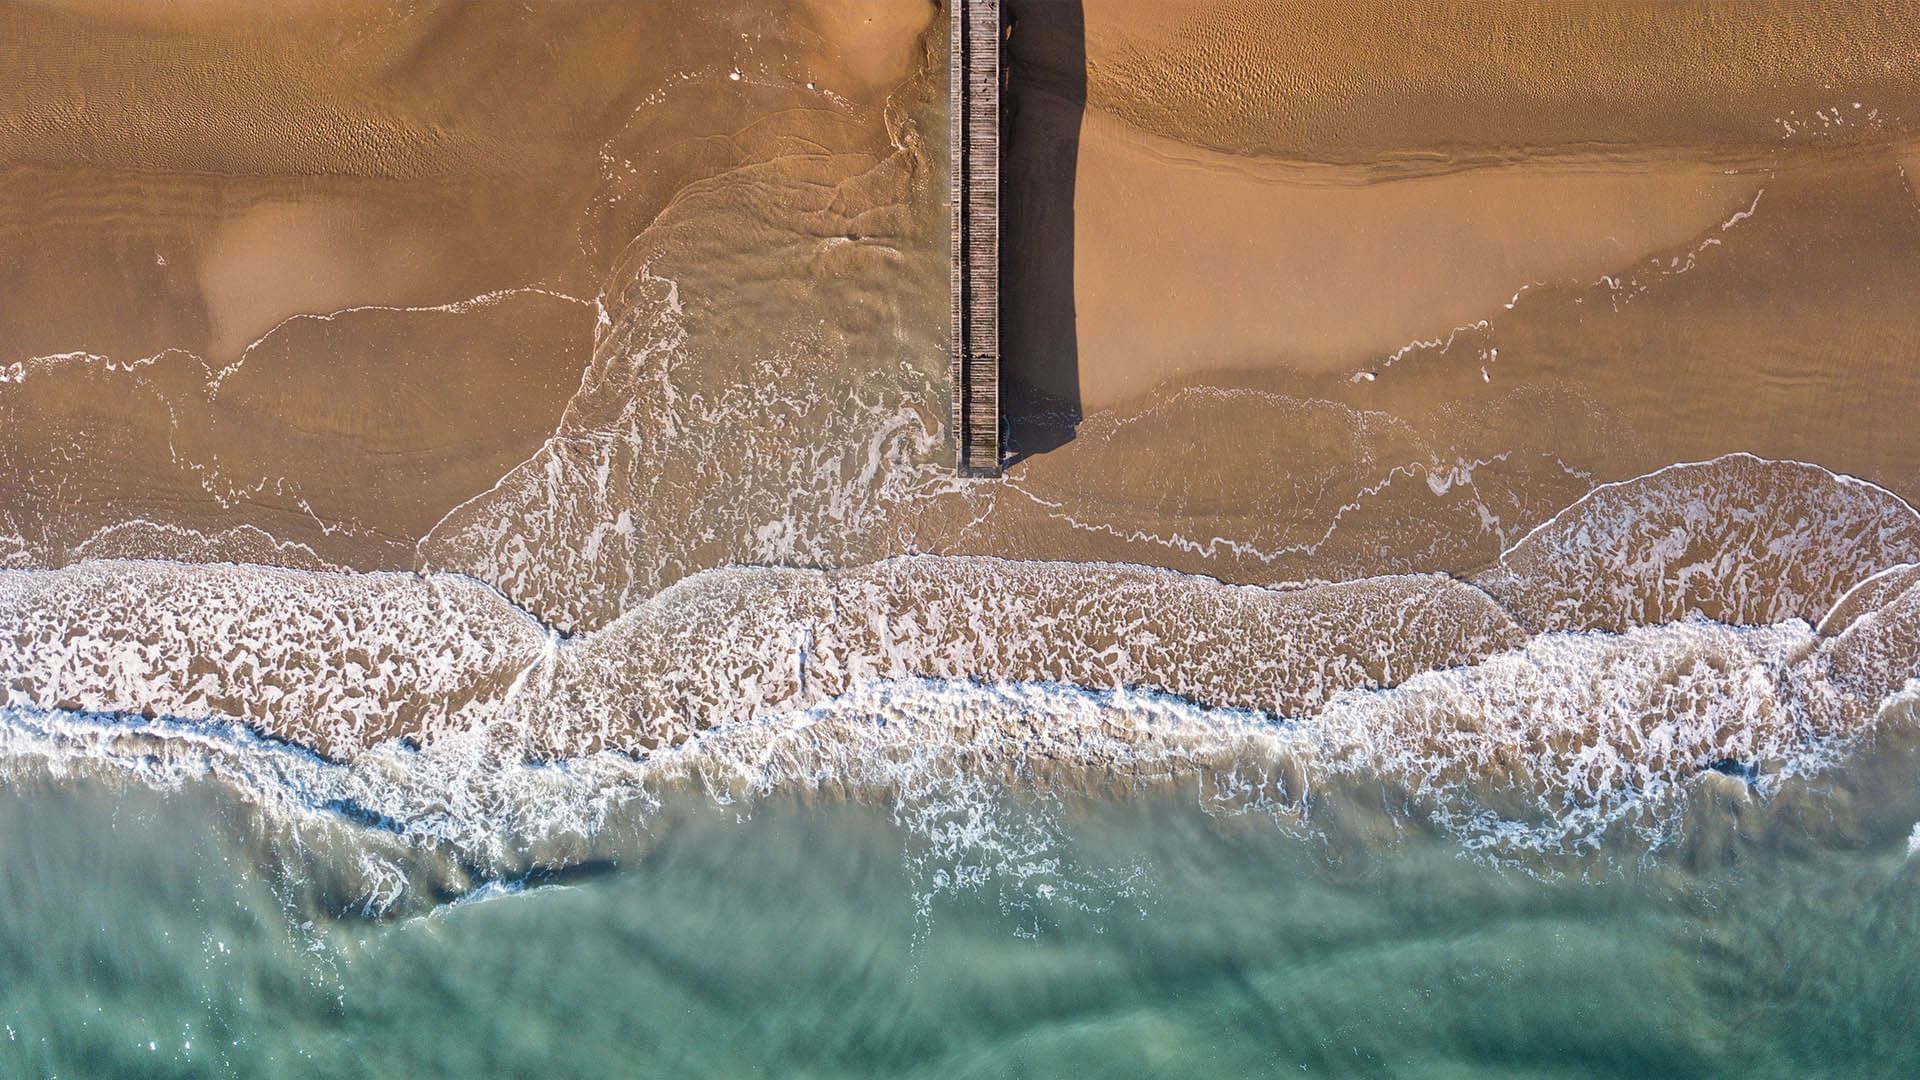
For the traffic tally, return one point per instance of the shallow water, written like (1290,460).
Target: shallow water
(146,934)
(483,592)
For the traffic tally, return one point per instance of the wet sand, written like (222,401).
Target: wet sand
(474,496)
(1313,297)
(327,271)
(1366,290)
(1436,85)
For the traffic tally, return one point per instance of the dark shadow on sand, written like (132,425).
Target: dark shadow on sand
(1045,97)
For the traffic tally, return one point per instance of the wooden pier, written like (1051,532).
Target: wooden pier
(974,157)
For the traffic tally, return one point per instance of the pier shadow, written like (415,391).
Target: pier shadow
(1045,96)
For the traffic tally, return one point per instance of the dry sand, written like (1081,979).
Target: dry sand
(1363,288)
(329,270)
(580,298)
(1267,264)
(1318,185)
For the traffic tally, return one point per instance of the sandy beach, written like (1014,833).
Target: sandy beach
(303,269)
(1422,296)
(485,588)
(1591,248)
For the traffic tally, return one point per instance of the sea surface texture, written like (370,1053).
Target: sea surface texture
(484,591)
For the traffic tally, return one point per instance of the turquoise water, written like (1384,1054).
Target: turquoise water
(181,931)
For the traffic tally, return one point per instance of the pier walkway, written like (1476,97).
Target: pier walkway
(974,148)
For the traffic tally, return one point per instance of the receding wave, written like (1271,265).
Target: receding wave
(1880,649)
(689,444)
(1869,595)
(333,661)
(1738,539)
(359,659)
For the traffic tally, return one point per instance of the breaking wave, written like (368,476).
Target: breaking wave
(459,742)
(1574,747)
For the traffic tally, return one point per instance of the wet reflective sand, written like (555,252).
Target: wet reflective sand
(1458,539)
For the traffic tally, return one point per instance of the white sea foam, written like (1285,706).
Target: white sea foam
(1868,595)
(575,532)
(157,540)
(19,371)
(340,661)
(1568,744)
(930,683)
(1738,539)
(329,660)
(691,445)
(731,645)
